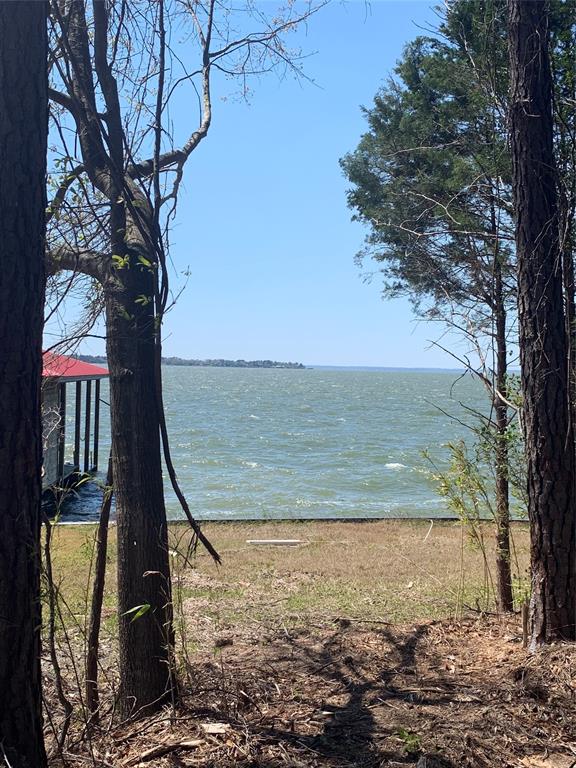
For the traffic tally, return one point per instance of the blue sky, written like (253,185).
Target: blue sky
(263,225)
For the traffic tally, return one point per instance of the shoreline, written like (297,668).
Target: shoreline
(305,520)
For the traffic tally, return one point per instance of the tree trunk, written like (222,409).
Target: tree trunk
(565,145)
(543,342)
(504,598)
(23,137)
(144,588)
(503,570)
(567,245)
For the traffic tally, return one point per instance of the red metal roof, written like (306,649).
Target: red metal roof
(69,368)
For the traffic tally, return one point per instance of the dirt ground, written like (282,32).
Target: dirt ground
(326,655)
(432,694)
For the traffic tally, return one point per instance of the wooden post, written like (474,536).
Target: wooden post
(77,414)
(61,429)
(96,424)
(87,426)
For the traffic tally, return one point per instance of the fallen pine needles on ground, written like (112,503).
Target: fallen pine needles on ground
(431,694)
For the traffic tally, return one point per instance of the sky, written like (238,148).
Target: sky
(262,225)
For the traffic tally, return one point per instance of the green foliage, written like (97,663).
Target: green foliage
(467,483)
(125,314)
(120,262)
(431,177)
(145,262)
(466,488)
(412,742)
(137,612)
(515,447)
(521,588)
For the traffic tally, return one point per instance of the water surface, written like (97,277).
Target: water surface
(317,443)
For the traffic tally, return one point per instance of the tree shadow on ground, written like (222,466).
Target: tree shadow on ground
(352,731)
(342,693)
(346,692)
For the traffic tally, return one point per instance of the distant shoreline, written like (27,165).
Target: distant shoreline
(216,363)
(224,363)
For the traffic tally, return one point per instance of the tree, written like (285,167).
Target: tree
(23,143)
(126,273)
(431,179)
(562,24)
(549,431)
(115,74)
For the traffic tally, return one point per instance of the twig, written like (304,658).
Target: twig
(52,608)
(345,619)
(525,624)
(92,694)
(164,749)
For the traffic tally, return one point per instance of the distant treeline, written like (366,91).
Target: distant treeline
(207,363)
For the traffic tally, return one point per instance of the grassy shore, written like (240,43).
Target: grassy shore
(377,570)
(355,648)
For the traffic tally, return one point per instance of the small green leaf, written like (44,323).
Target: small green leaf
(120,262)
(137,612)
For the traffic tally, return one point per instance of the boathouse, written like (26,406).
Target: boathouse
(83,418)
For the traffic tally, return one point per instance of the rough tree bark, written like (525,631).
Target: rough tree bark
(543,341)
(23,138)
(143,558)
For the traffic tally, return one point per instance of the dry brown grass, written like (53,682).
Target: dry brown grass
(386,570)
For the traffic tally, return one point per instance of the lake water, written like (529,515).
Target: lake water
(315,443)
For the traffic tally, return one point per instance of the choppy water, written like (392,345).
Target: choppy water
(317,443)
